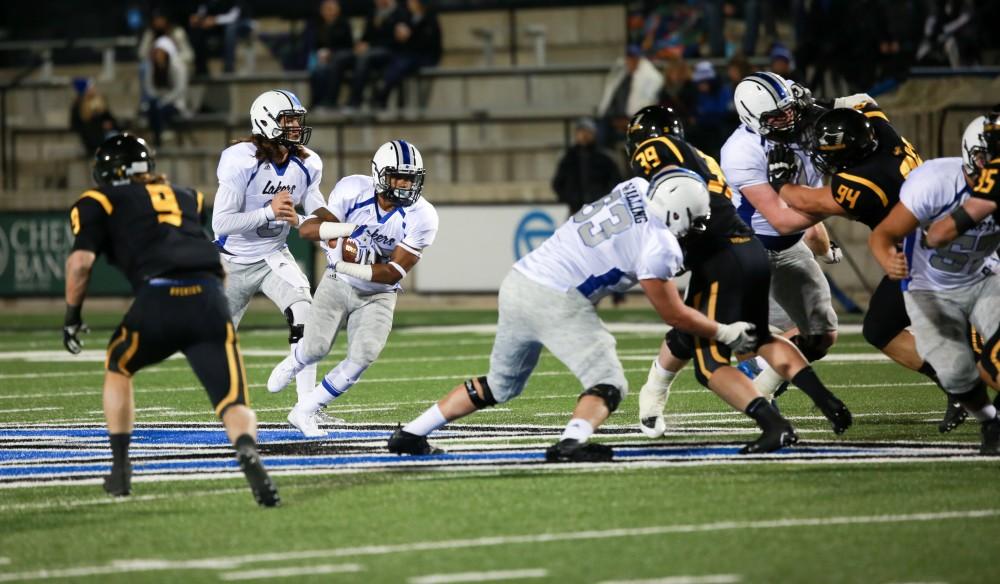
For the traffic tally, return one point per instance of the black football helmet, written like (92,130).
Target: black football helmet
(650,122)
(120,157)
(841,138)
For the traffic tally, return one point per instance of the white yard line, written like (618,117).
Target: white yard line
(494,576)
(289,572)
(134,566)
(18,410)
(4,561)
(710,579)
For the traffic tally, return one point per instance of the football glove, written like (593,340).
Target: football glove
(367,253)
(72,327)
(739,336)
(782,167)
(833,255)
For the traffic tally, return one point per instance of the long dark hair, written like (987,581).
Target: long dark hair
(270,149)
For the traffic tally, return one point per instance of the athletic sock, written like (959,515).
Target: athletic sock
(768,382)
(807,381)
(305,380)
(987,413)
(578,429)
(427,422)
(764,414)
(928,371)
(244,443)
(119,448)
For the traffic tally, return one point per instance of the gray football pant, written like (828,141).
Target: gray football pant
(245,280)
(368,320)
(532,316)
(800,288)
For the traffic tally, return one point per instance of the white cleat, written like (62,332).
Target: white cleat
(652,400)
(324,418)
(305,422)
(282,374)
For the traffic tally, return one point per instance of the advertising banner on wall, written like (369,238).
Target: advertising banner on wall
(34,246)
(477,244)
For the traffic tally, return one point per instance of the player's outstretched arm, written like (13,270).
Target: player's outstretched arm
(945,230)
(885,239)
(667,302)
(79,266)
(782,217)
(324,226)
(817,202)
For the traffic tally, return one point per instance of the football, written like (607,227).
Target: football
(349,250)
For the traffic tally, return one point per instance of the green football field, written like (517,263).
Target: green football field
(892,500)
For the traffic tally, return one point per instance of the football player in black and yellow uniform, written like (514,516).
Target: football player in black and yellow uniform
(152,231)
(867,162)
(730,280)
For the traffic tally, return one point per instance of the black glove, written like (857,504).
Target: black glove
(782,166)
(72,327)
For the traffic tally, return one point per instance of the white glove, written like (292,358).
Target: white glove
(367,252)
(739,336)
(832,255)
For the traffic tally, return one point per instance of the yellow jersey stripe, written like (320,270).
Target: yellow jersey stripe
(863,181)
(670,144)
(100,198)
(876,114)
(201,200)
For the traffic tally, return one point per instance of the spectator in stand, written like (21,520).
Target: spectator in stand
(632,84)
(782,62)
(378,44)
(714,118)
(585,173)
(678,91)
(161,25)
(737,68)
(218,19)
(420,37)
(164,83)
(90,117)
(331,51)
(950,35)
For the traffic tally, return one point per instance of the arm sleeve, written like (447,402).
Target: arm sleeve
(227,218)
(89,222)
(858,198)
(926,204)
(422,233)
(342,198)
(314,198)
(743,166)
(661,257)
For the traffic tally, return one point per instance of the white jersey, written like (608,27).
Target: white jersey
(608,246)
(413,228)
(246,187)
(932,191)
(744,164)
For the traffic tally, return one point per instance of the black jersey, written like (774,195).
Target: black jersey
(869,190)
(988,183)
(725,226)
(146,230)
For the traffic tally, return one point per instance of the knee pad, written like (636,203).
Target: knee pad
(295,331)
(480,402)
(812,346)
(611,395)
(679,344)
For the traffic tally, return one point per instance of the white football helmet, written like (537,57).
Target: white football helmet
(398,158)
(974,154)
(679,199)
(770,105)
(271,113)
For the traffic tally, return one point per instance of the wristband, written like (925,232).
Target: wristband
(355,270)
(399,268)
(962,220)
(73,315)
(334,230)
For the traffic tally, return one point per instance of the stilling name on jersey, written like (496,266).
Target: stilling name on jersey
(257,181)
(932,191)
(413,228)
(607,246)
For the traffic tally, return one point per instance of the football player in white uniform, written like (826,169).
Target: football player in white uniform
(261,181)
(547,300)
(390,223)
(956,283)
(772,111)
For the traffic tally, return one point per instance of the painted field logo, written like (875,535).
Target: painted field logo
(534,228)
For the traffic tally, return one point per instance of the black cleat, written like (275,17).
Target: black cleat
(991,438)
(119,482)
(403,442)
(772,440)
(570,450)
(838,414)
(954,415)
(265,492)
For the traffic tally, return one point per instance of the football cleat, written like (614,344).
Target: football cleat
(282,374)
(322,417)
(570,450)
(838,414)
(403,442)
(771,440)
(652,400)
(263,488)
(991,438)
(118,483)
(954,415)
(305,422)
